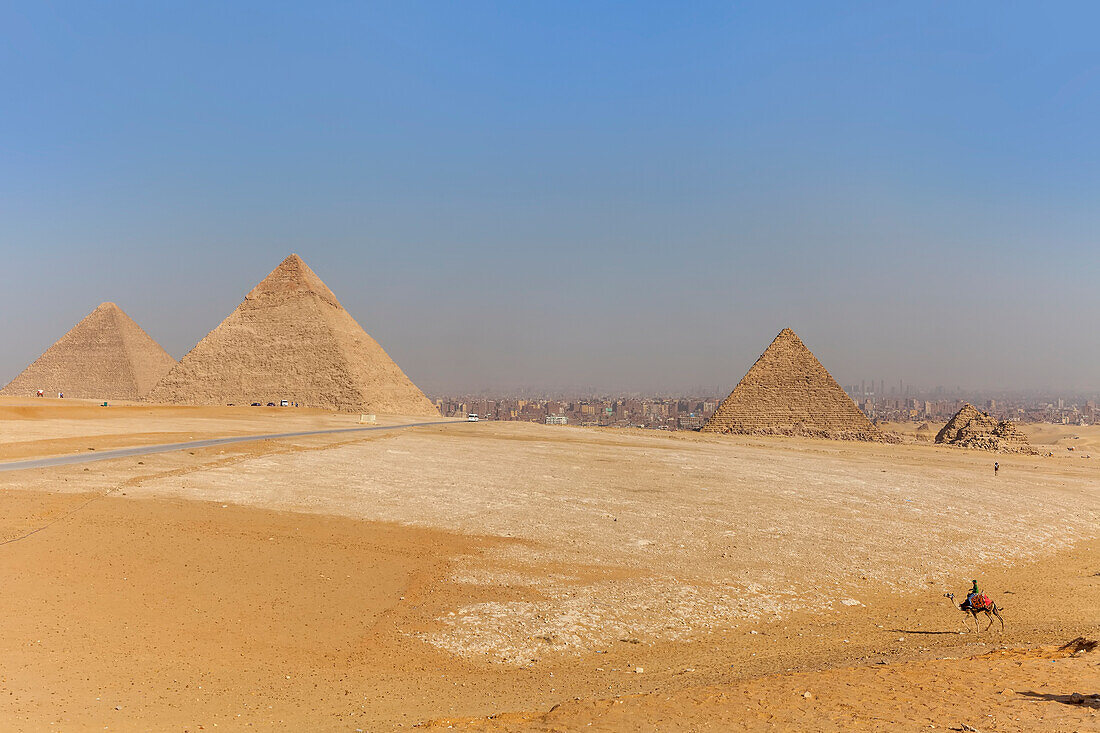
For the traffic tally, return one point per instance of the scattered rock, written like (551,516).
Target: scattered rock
(1078,699)
(1080,645)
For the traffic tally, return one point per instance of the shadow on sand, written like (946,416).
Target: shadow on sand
(1085,701)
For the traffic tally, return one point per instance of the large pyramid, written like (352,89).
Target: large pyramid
(105,356)
(292,340)
(788,392)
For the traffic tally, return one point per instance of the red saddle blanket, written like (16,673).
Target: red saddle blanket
(980,602)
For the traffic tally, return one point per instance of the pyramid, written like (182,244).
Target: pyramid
(292,340)
(788,392)
(105,356)
(972,428)
(968,415)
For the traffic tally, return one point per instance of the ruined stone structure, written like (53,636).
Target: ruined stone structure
(104,357)
(788,392)
(292,340)
(972,428)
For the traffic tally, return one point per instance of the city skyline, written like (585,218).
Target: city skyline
(686,412)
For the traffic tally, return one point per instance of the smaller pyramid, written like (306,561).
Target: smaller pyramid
(967,415)
(972,428)
(788,392)
(291,339)
(105,356)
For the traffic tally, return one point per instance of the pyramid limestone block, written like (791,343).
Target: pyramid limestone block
(788,392)
(292,340)
(105,357)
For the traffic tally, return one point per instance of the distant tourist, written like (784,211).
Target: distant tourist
(996,467)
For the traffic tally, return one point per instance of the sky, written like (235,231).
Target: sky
(608,196)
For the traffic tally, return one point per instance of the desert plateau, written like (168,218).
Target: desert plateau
(508,576)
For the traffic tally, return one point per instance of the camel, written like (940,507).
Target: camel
(990,611)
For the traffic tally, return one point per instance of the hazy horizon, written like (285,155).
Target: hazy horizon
(513,197)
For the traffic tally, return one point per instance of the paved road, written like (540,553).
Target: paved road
(144,450)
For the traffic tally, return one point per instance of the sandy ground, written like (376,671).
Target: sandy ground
(1004,690)
(454,572)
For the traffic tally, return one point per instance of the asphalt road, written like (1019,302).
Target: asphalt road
(145,450)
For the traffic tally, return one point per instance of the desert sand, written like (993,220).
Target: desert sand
(508,576)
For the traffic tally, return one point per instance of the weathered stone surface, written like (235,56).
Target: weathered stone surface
(972,428)
(105,357)
(291,339)
(788,392)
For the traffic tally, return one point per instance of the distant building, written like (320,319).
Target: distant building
(557,420)
(690,422)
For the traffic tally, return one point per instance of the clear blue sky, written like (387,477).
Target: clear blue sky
(621,195)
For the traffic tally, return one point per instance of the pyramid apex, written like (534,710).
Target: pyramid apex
(292,277)
(785,339)
(110,310)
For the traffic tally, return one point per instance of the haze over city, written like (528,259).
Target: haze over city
(570,197)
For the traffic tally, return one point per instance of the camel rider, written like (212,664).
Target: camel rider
(974,593)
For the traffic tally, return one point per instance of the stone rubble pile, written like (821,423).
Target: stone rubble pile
(972,428)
